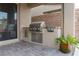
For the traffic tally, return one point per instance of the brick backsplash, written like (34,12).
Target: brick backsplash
(53,19)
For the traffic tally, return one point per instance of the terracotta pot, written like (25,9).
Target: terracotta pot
(64,48)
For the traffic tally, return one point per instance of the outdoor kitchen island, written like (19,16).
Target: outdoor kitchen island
(43,35)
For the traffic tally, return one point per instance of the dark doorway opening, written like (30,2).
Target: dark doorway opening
(8,22)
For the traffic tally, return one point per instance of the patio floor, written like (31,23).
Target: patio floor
(29,49)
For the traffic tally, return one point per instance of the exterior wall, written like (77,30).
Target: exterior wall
(69,19)
(24,19)
(49,38)
(77,24)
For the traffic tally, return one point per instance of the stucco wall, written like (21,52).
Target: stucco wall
(24,19)
(69,19)
(77,23)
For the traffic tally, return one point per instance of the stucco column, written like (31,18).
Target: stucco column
(24,18)
(69,19)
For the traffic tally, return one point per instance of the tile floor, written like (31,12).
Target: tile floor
(76,52)
(29,49)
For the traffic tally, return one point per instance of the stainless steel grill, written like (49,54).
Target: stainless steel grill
(36,31)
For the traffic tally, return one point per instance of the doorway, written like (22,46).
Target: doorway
(8,22)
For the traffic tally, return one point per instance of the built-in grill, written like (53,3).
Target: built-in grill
(35,27)
(36,31)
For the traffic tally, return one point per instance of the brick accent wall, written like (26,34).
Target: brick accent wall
(54,19)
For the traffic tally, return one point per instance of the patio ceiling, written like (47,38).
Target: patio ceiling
(32,5)
(45,8)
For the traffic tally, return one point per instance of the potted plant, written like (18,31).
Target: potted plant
(65,42)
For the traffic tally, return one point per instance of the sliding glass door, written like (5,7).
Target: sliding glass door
(8,22)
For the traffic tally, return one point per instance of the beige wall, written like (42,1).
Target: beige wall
(24,19)
(49,38)
(69,19)
(77,23)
